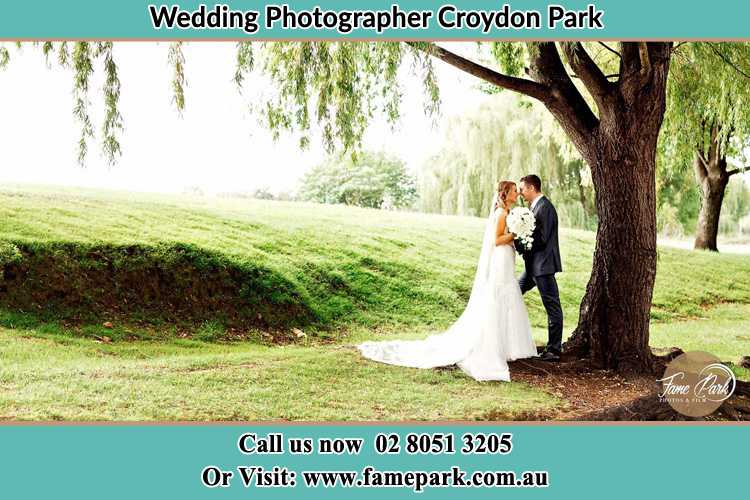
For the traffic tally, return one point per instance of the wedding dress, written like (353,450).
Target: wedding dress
(493,329)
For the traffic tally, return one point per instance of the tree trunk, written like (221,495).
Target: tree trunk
(613,327)
(614,315)
(712,177)
(712,190)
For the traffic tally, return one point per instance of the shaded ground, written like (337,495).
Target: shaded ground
(592,394)
(584,390)
(176,283)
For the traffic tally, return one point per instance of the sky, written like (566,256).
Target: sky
(217,145)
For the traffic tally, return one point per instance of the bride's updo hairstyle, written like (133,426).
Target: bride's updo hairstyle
(503,190)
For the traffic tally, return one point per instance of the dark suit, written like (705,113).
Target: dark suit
(542,262)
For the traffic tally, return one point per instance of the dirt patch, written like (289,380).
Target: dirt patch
(584,388)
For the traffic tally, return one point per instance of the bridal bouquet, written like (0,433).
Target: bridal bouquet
(521,222)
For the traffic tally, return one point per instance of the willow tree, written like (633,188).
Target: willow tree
(504,137)
(708,123)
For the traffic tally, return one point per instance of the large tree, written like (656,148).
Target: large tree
(708,123)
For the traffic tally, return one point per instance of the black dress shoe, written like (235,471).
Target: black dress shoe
(550,356)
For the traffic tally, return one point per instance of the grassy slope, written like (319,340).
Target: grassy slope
(394,274)
(355,267)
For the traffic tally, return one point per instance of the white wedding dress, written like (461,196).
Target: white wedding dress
(493,329)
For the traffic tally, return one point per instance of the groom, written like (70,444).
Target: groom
(542,261)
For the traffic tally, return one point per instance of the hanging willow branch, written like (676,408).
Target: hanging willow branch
(177,61)
(4,57)
(112,118)
(47,49)
(82,70)
(81,60)
(245,62)
(63,56)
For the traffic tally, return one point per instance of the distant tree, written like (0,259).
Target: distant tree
(736,206)
(707,124)
(367,180)
(263,193)
(193,191)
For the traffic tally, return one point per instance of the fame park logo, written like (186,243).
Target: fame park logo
(696,383)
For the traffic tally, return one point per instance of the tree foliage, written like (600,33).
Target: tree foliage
(337,85)
(709,84)
(736,207)
(176,61)
(371,179)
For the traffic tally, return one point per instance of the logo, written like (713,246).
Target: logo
(696,383)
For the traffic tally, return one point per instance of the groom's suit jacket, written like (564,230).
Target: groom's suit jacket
(544,256)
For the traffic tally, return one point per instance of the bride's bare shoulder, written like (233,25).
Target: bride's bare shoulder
(501,212)
(500,215)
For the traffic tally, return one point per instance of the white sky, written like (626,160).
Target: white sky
(217,144)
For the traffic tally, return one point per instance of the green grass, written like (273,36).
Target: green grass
(53,376)
(723,331)
(363,274)
(53,373)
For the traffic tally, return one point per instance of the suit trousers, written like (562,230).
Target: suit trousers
(547,285)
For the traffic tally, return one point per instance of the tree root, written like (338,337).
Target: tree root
(662,357)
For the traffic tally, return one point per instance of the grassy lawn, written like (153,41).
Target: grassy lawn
(51,376)
(723,331)
(363,274)
(51,373)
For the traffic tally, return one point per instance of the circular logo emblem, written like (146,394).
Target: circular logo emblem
(696,383)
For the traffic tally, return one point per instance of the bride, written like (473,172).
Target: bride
(493,329)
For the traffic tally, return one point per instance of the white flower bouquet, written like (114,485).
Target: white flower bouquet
(521,222)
